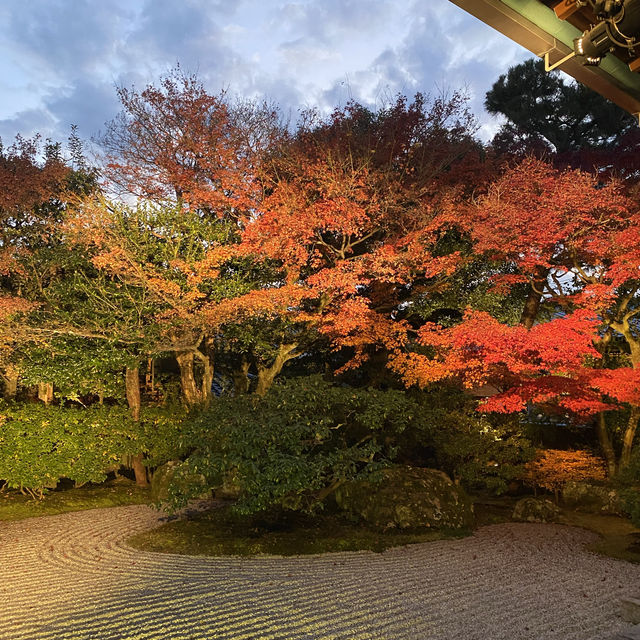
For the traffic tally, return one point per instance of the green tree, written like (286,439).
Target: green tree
(545,113)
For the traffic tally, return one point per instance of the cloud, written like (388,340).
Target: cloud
(58,39)
(85,106)
(27,122)
(64,58)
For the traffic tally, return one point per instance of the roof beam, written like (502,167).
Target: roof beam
(535,26)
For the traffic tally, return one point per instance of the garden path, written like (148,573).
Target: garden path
(72,577)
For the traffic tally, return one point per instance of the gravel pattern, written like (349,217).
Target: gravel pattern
(71,577)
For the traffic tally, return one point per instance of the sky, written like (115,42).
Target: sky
(61,60)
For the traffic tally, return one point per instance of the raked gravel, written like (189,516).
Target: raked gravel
(72,577)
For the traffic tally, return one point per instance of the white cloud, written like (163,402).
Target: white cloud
(63,58)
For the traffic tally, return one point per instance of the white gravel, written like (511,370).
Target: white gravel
(71,577)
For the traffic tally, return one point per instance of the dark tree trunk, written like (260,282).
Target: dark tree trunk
(140,470)
(241,378)
(207,362)
(534,298)
(606,445)
(629,434)
(132,385)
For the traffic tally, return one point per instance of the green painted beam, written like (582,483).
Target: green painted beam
(536,27)
(545,18)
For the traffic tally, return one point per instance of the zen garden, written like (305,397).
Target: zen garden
(356,374)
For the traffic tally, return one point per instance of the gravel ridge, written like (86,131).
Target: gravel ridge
(72,577)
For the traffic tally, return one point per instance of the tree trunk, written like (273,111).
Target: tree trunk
(241,378)
(206,360)
(606,445)
(534,297)
(45,392)
(190,391)
(629,434)
(132,385)
(140,470)
(10,382)
(266,375)
(193,393)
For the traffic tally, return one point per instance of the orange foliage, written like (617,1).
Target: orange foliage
(581,239)
(553,468)
(25,181)
(351,213)
(537,216)
(175,141)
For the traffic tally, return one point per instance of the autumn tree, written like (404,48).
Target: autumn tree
(553,468)
(571,238)
(33,178)
(63,339)
(195,156)
(175,142)
(350,213)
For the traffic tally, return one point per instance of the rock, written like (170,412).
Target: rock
(630,610)
(591,498)
(164,475)
(408,498)
(535,510)
(230,488)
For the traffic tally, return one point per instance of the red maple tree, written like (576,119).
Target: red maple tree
(573,239)
(352,213)
(175,141)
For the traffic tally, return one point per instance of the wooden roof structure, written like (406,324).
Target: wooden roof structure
(548,28)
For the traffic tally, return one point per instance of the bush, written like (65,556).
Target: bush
(40,444)
(483,452)
(307,436)
(553,468)
(296,445)
(628,481)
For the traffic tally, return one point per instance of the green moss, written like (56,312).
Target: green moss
(15,506)
(619,538)
(220,533)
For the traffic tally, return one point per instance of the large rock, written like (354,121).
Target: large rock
(591,498)
(229,488)
(630,609)
(408,498)
(535,510)
(164,475)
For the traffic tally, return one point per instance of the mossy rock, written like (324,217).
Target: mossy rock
(229,486)
(408,498)
(591,498)
(167,474)
(535,510)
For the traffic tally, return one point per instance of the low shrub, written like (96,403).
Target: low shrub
(628,482)
(297,444)
(482,452)
(553,468)
(40,444)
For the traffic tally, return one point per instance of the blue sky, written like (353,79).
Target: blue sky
(60,60)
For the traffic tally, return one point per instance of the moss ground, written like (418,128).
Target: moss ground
(618,537)
(114,493)
(220,532)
